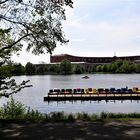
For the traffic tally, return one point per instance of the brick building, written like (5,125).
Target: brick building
(92,60)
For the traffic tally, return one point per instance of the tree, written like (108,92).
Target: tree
(127,67)
(36,22)
(118,63)
(93,68)
(54,69)
(18,69)
(65,67)
(113,67)
(78,69)
(99,68)
(30,68)
(105,68)
(8,86)
(137,68)
(41,69)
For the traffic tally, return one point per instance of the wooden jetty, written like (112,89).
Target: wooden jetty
(94,97)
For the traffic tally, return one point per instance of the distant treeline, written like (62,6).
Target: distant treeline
(65,67)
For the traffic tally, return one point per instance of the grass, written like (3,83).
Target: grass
(61,116)
(15,110)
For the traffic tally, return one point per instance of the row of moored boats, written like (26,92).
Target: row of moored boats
(94,91)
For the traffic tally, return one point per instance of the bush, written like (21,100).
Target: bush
(33,115)
(70,117)
(103,115)
(57,116)
(83,116)
(94,116)
(14,110)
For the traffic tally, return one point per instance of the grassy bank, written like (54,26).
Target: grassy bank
(14,110)
(61,116)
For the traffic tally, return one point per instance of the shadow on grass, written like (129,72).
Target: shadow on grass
(79,130)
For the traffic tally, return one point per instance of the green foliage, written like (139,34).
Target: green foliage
(57,116)
(70,117)
(11,69)
(18,69)
(94,117)
(83,116)
(99,68)
(41,69)
(14,110)
(137,66)
(119,67)
(105,68)
(31,114)
(78,69)
(38,22)
(54,69)
(113,67)
(5,40)
(5,71)
(109,115)
(92,69)
(103,115)
(65,67)
(30,68)
(127,67)
(62,117)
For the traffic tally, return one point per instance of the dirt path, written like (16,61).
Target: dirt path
(125,130)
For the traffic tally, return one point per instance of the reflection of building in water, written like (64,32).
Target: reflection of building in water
(93,60)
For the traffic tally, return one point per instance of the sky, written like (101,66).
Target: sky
(97,28)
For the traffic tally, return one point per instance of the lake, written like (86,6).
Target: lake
(33,96)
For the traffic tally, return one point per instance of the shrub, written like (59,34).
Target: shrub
(71,117)
(83,116)
(94,116)
(33,115)
(103,115)
(57,116)
(14,110)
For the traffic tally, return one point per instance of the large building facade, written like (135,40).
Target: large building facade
(93,60)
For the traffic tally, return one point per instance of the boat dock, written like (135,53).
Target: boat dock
(94,97)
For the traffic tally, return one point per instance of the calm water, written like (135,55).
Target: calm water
(33,96)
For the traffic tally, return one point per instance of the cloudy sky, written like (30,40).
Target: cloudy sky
(98,28)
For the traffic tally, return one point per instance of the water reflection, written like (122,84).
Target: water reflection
(114,106)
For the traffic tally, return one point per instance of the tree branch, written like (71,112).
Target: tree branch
(14,43)
(16,22)
(3,1)
(9,20)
